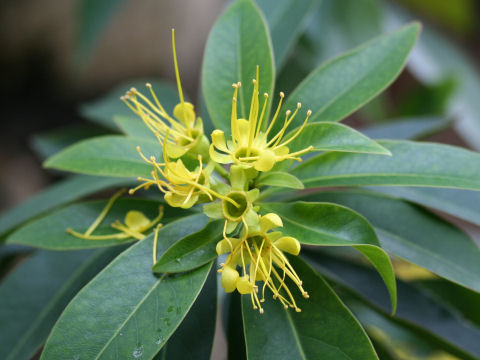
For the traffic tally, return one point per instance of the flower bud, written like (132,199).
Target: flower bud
(229,279)
(244,286)
(288,244)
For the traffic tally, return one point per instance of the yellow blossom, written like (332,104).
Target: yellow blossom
(251,147)
(135,224)
(182,187)
(259,253)
(183,131)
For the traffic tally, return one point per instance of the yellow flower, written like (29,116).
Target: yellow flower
(250,147)
(182,187)
(259,252)
(183,131)
(135,224)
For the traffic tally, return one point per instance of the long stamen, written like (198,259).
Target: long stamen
(272,122)
(104,212)
(262,114)
(234,125)
(179,84)
(280,134)
(252,118)
(309,112)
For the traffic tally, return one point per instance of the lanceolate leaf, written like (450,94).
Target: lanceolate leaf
(194,337)
(107,156)
(285,19)
(325,329)
(58,194)
(49,232)
(463,204)
(411,164)
(136,311)
(328,224)
(279,178)
(328,136)
(238,42)
(416,309)
(192,251)
(415,235)
(344,84)
(36,292)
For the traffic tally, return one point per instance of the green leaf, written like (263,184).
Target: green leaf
(107,156)
(53,278)
(325,329)
(136,311)
(192,251)
(61,193)
(328,224)
(463,204)
(134,127)
(238,42)
(342,85)
(409,128)
(102,111)
(194,337)
(49,232)
(285,19)
(415,235)
(279,178)
(411,164)
(329,136)
(48,143)
(416,309)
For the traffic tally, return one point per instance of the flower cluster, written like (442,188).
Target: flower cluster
(222,176)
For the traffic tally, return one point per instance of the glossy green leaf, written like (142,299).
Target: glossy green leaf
(192,251)
(344,84)
(194,337)
(463,204)
(328,224)
(329,136)
(102,111)
(416,309)
(285,19)
(410,128)
(411,164)
(136,311)
(134,127)
(238,42)
(415,235)
(60,193)
(107,156)
(464,300)
(49,232)
(48,143)
(53,278)
(325,329)
(279,178)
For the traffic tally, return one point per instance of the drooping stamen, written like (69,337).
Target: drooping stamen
(104,212)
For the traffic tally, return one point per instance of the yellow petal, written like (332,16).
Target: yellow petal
(265,161)
(185,113)
(288,244)
(270,221)
(218,139)
(175,151)
(229,279)
(244,130)
(219,158)
(176,200)
(244,286)
(136,221)
(225,246)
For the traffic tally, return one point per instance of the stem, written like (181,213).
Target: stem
(222,172)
